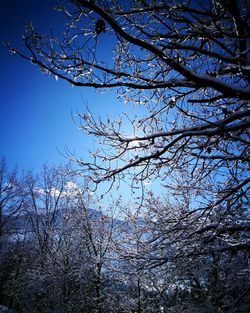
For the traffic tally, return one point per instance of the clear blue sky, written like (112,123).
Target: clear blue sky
(35,110)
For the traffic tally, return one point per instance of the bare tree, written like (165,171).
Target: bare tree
(71,242)
(161,258)
(202,259)
(186,62)
(11,199)
(12,234)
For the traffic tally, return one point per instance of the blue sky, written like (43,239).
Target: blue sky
(35,110)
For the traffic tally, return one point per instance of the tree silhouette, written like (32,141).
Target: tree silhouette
(187,64)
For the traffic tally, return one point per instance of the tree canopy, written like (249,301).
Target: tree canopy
(186,63)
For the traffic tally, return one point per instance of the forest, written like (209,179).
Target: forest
(62,252)
(67,249)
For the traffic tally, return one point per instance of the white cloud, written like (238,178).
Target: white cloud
(70,190)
